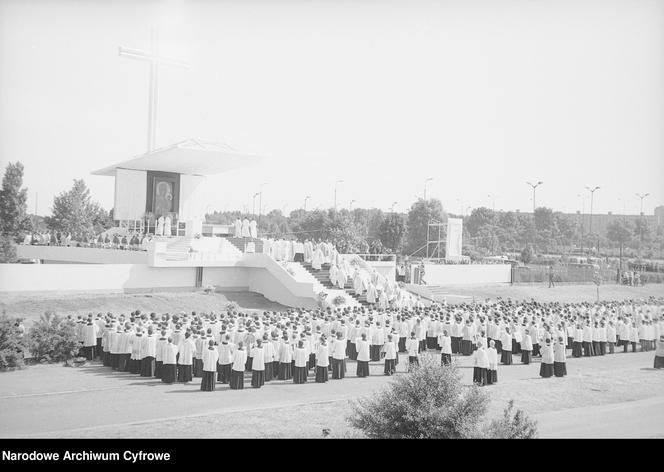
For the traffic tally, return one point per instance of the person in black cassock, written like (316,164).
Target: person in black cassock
(237,372)
(210,358)
(169,368)
(300,356)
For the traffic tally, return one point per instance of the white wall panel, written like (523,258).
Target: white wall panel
(192,204)
(130,194)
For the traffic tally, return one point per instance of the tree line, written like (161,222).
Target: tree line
(485,231)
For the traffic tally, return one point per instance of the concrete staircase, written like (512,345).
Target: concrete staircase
(178,250)
(323,276)
(240,243)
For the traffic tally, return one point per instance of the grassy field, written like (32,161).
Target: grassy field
(32,305)
(559,293)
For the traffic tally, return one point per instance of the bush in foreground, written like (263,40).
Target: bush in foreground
(12,342)
(53,338)
(513,425)
(431,402)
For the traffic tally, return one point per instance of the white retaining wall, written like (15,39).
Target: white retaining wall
(93,277)
(466,274)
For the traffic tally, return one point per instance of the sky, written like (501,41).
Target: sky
(482,96)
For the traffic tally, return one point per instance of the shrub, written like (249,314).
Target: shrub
(12,342)
(339,300)
(232,306)
(53,338)
(7,249)
(430,402)
(512,425)
(527,254)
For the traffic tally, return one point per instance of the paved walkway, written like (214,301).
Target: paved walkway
(48,399)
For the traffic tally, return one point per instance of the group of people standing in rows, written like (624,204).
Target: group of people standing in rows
(296,344)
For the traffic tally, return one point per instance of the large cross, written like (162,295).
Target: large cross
(152,56)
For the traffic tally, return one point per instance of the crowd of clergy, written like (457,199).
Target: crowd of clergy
(346,271)
(300,346)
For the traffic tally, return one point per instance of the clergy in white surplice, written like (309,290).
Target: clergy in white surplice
(334,272)
(308,251)
(237,228)
(168,222)
(253,229)
(342,277)
(371,293)
(317,261)
(159,231)
(246,233)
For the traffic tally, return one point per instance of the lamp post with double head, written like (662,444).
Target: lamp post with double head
(534,186)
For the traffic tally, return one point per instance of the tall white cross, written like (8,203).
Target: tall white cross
(152,56)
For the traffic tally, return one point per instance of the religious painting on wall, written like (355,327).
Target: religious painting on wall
(163,193)
(163,197)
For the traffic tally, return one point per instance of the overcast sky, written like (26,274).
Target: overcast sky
(480,95)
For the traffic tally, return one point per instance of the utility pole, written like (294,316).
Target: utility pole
(425,187)
(260,206)
(305,202)
(592,194)
(253,205)
(641,196)
(534,186)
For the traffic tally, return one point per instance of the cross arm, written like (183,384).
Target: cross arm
(144,56)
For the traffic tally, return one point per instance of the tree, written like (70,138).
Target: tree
(7,250)
(13,203)
(392,232)
(421,213)
(342,232)
(12,342)
(429,402)
(75,213)
(479,218)
(53,338)
(527,254)
(487,237)
(619,232)
(642,231)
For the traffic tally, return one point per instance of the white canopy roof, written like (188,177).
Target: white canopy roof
(192,157)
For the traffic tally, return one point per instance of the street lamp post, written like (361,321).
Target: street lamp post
(534,186)
(335,193)
(253,204)
(260,206)
(305,201)
(425,187)
(493,202)
(641,196)
(592,194)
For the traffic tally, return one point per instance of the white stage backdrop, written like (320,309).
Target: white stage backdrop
(130,194)
(192,204)
(453,243)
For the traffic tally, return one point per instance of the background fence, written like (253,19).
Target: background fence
(581,273)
